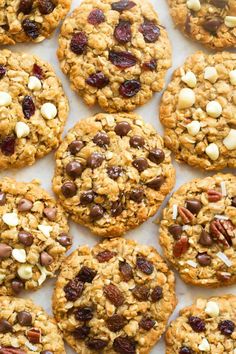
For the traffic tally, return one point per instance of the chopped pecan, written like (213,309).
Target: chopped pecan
(185,215)
(223,231)
(213,196)
(181,246)
(34,335)
(223,276)
(11,350)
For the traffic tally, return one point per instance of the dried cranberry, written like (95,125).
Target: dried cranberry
(123,32)
(28,107)
(84,313)
(114,295)
(8,145)
(96,17)
(37,71)
(226,327)
(125,270)
(25,6)
(116,322)
(124,345)
(141,292)
(98,80)
(122,5)
(129,88)
(2,71)
(150,65)
(46,6)
(73,290)
(150,31)
(185,350)
(81,332)
(197,324)
(86,275)
(144,265)
(122,60)
(157,294)
(105,256)
(78,42)
(147,323)
(96,344)
(31,28)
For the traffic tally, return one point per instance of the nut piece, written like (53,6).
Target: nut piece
(230,140)
(185,215)
(232,77)
(212,309)
(5,99)
(193,127)
(214,109)
(49,111)
(194,5)
(223,231)
(210,74)
(181,246)
(11,219)
(186,98)
(25,271)
(22,130)
(19,255)
(34,83)
(34,335)
(230,21)
(190,79)
(213,196)
(204,345)
(212,151)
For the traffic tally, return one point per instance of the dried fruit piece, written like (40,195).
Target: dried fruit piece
(144,265)
(150,65)
(81,332)
(96,17)
(114,295)
(150,31)
(185,215)
(223,231)
(84,313)
(73,290)
(157,294)
(226,327)
(123,32)
(105,256)
(96,344)
(141,292)
(147,323)
(98,80)
(126,271)
(116,322)
(122,60)
(220,3)
(34,335)
(37,71)
(8,145)
(86,274)
(28,106)
(25,6)
(2,71)
(124,345)
(213,196)
(78,42)
(31,28)
(181,246)
(197,324)
(185,350)
(46,6)
(122,5)
(129,88)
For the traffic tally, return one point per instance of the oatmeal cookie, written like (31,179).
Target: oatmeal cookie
(30,20)
(26,328)
(115,53)
(33,109)
(116,298)
(198,231)
(34,236)
(211,22)
(198,111)
(112,173)
(209,325)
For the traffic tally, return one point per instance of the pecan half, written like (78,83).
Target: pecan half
(185,215)
(213,196)
(34,335)
(223,231)
(181,246)
(11,350)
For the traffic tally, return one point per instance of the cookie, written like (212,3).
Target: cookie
(29,20)
(207,326)
(198,111)
(211,22)
(112,173)
(34,236)
(198,231)
(33,109)
(114,298)
(27,328)
(115,53)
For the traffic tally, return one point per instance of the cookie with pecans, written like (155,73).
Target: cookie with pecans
(207,326)
(198,231)
(198,111)
(27,328)
(33,109)
(116,53)
(114,298)
(112,173)
(34,236)
(211,22)
(29,20)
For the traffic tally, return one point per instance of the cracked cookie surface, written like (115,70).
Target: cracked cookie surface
(198,231)
(208,325)
(25,328)
(211,22)
(198,111)
(116,297)
(30,20)
(34,236)
(33,109)
(112,173)
(115,53)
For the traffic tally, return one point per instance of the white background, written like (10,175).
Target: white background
(43,169)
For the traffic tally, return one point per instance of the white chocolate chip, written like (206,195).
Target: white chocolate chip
(11,219)
(214,109)
(44,273)
(22,130)
(234,351)
(204,345)
(34,83)
(49,110)
(25,271)
(19,255)
(212,151)
(45,229)
(186,98)
(212,309)
(230,140)
(232,77)
(230,21)
(210,74)
(193,127)
(5,99)
(190,79)
(194,5)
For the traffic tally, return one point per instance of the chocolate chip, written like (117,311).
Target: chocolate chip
(156,183)
(147,323)
(50,213)
(65,240)
(203,259)
(24,205)
(5,326)
(96,212)
(122,128)
(74,169)
(45,259)
(95,160)
(75,147)
(69,189)
(81,332)
(233,202)
(17,286)
(185,350)
(220,3)
(114,172)
(136,141)
(141,292)
(87,197)
(126,270)
(2,198)
(116,322)
(116,208)
(226,327)
(101,139)
(175,231)
(157,156)
(194,206)
(5,250)
(157,294)
(24,318)
(197,324)
(84,313)
(86,274)
(137,195)
(205,239)
(26,238)
(124,345)
(212,24)
(140,164)
(144,265)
